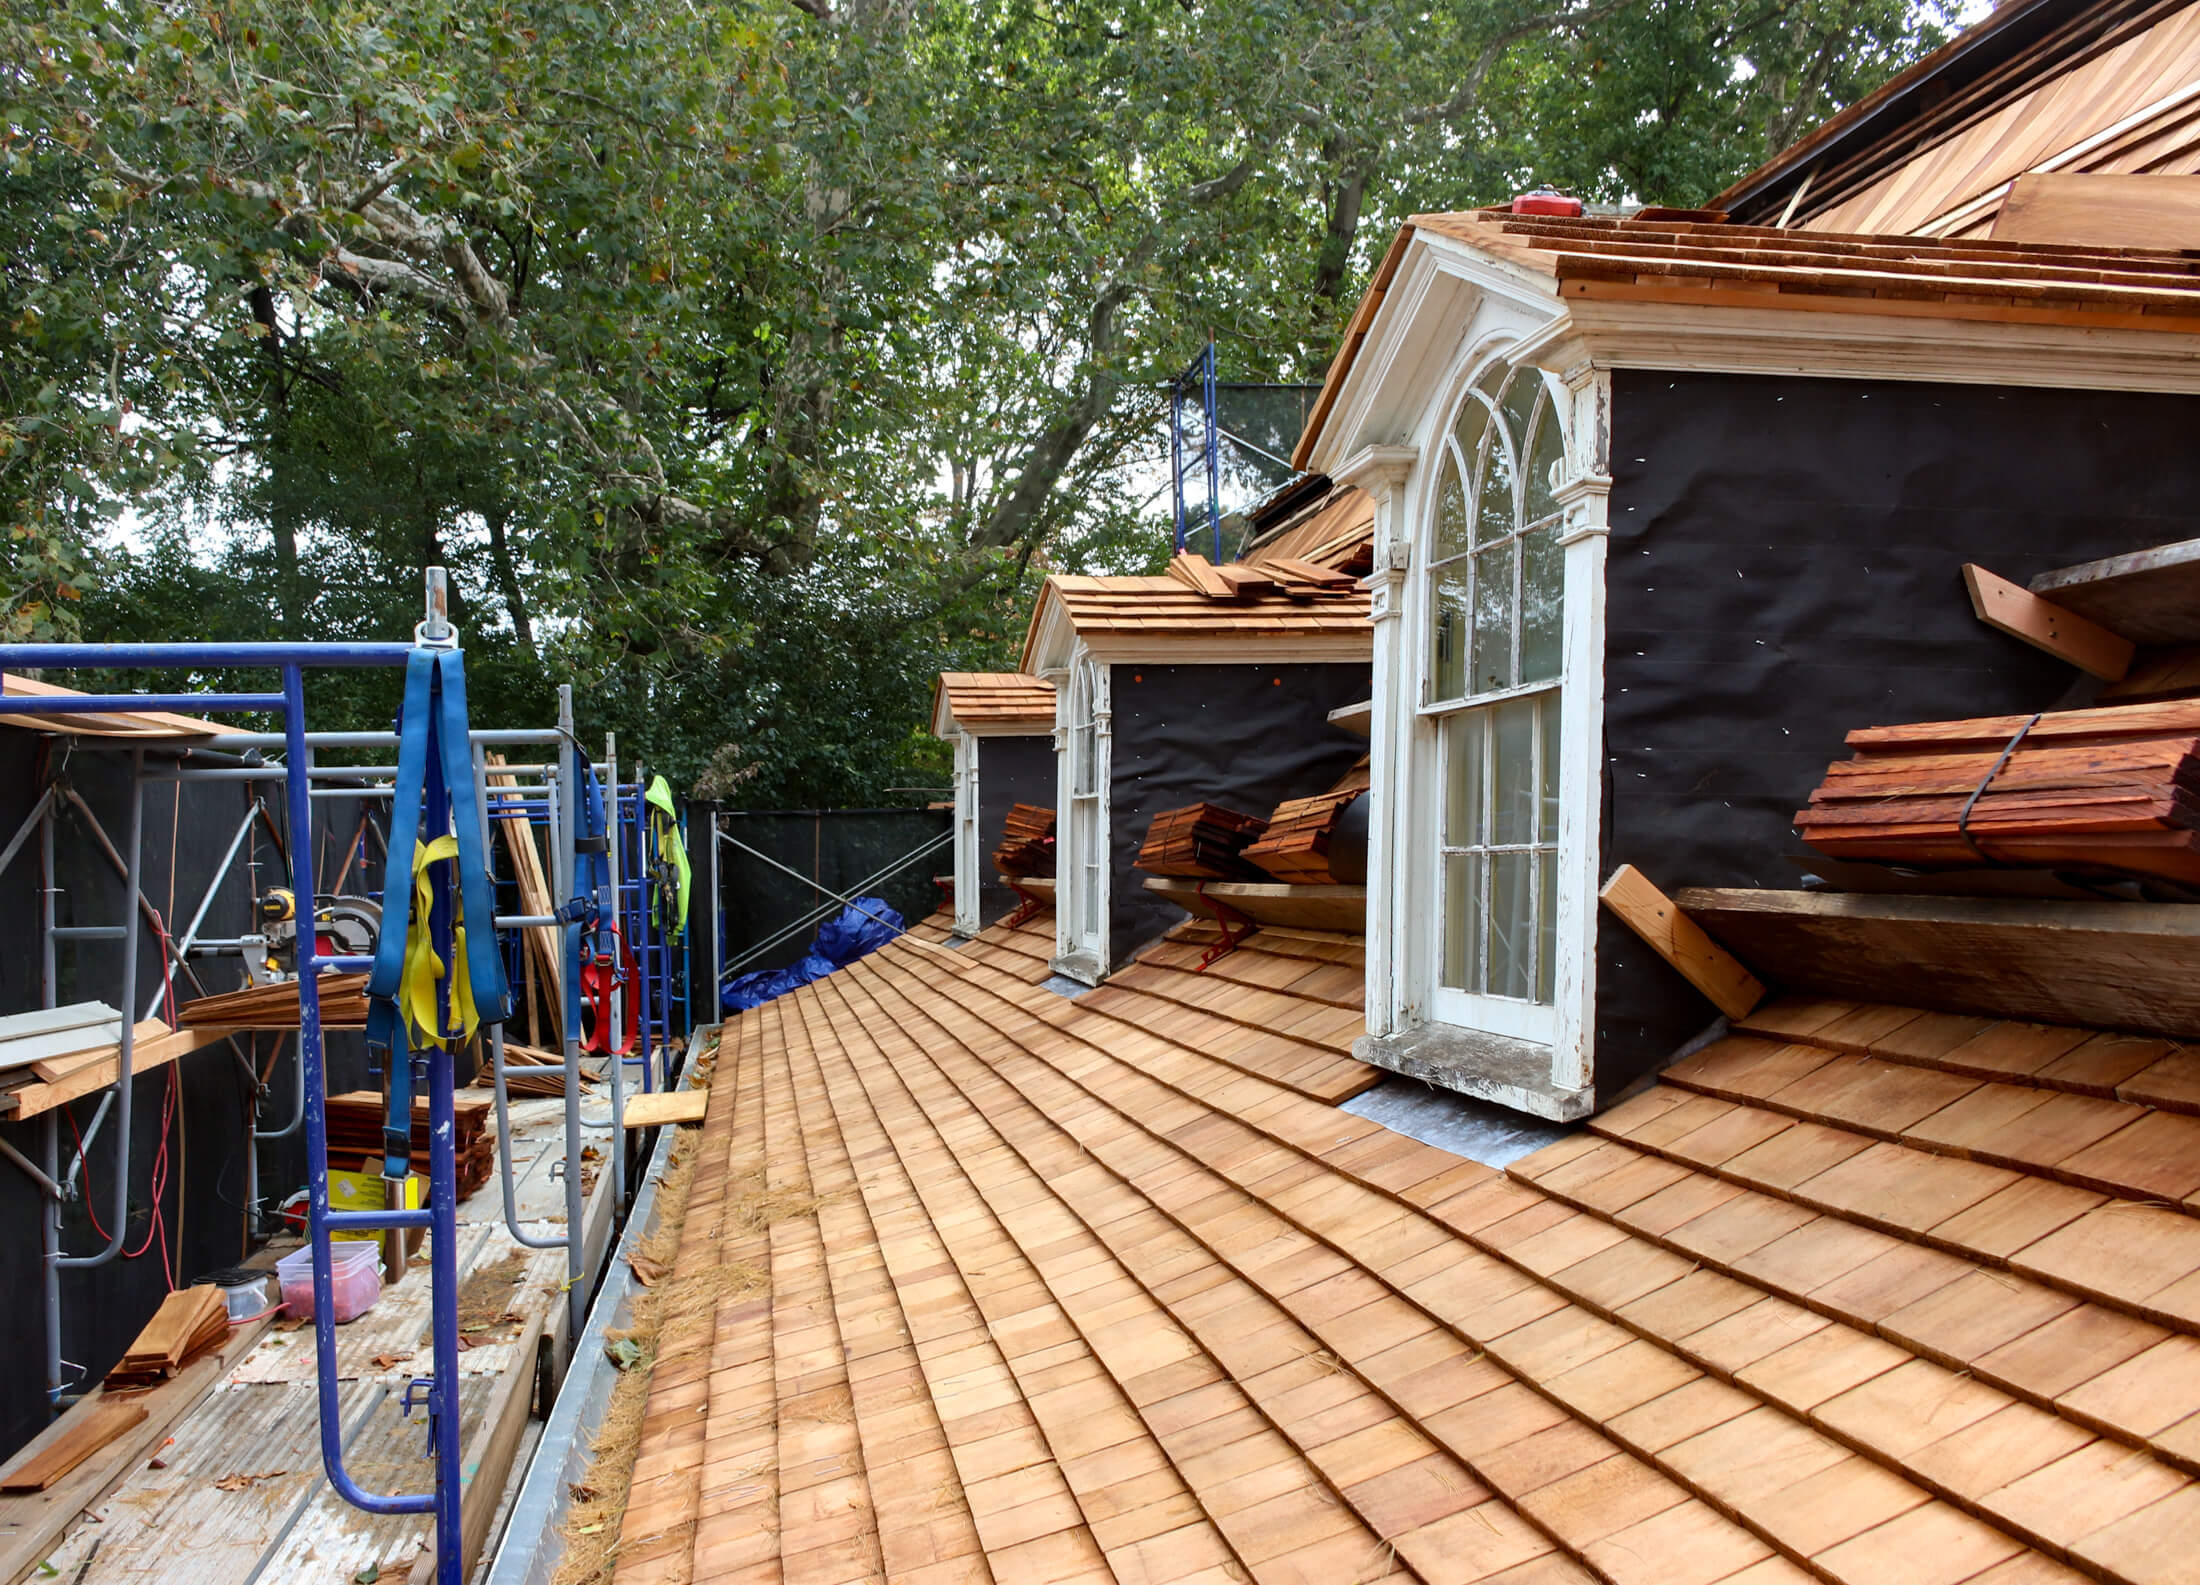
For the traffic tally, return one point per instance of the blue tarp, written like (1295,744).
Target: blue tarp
(863,927)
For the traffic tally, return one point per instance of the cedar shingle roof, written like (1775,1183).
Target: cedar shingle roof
(1104,1289)
(1333,533)
(995,701)
(1155,612)
(1709,264)
(1652,260)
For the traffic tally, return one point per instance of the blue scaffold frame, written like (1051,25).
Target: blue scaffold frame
(440,1216)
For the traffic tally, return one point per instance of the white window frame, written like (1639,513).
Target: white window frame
(1081,864)
(1563,1032)
(1513,1017)
(969,847)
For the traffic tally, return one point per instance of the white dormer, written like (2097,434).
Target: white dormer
(1167,696)
(1002,727)
(1818,433)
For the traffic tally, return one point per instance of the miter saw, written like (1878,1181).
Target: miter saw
(342,927)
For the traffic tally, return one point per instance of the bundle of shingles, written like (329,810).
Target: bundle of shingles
(1295,847)
(355,1135)
(275,1006)
(190,1322)
(1278,575)
(1027,842)
(1201,842)
(2112,790)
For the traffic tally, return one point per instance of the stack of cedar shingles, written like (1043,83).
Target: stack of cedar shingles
(1201,842)
(2115,790)
(355,1135)
(1027,842)
(1295,848)
(189,1323)
(1280,575)
(343,1005)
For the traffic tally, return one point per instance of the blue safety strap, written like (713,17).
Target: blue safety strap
(433,720)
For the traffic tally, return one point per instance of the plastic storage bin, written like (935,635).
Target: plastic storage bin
(355,1274)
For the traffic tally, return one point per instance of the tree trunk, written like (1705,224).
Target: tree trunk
(498,518)
(1346,195)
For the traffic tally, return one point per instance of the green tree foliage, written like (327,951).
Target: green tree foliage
(745,360)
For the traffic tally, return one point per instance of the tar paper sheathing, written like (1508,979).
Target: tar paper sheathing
(1785,566)
(1245,737)
(1011,771)
(187,829)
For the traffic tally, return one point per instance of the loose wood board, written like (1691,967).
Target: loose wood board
(2131,966)
(1681,942)
(33,1099)
(82,1437)
(32,1523)
(1307,907)
(2009,608)
(659,1107)
(2095,209)
(2148,596)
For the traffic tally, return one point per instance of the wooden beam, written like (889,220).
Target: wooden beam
(2012,609)
(659,1107)
(2129,966)
(32,1099)
(488,1457)
(1678,939)
(2149,596)
(1305,907)
(84,1435)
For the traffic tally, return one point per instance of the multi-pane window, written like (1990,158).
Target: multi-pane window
(1496,654)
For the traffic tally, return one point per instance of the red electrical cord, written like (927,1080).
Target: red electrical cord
(156,1227)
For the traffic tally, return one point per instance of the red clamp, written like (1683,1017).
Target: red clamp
(1223,914)
(1030,908)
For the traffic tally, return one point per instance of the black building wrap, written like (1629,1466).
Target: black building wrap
(1011,771)
(103,1307)
(1785,566)
(1246,737)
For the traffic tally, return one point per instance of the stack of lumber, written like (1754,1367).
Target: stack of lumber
(528,1070)
(1201,842)
(541,965)
(355,1135)
(190,1322)
(2114,790)
(1279,575)
(1027,842)
(1295,847)
(343,1006)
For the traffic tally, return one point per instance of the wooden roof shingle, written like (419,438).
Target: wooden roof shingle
(1109,1289)
(993,702)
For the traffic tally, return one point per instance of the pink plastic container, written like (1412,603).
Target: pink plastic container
(355,1277)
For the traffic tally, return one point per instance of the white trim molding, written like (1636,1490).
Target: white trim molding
(1082,863)
(1551,1074)
(969,849)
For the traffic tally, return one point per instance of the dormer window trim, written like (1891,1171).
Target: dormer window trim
(969,845)
(1084,762)
(1533,1051)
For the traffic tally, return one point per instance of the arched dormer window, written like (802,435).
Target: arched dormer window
(1492,684)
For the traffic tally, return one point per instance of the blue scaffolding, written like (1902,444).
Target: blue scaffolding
(437,1392)
(1199,376)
